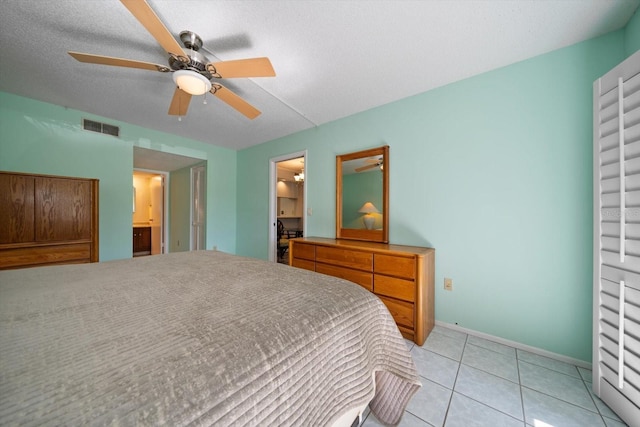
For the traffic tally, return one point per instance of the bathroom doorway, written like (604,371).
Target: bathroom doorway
(149,207)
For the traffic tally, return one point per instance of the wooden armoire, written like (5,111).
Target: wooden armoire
(47,220)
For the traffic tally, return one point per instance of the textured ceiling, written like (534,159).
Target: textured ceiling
(160,161)
(332,58)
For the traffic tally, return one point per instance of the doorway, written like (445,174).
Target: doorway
(176,225)
(149,207)
(287,203)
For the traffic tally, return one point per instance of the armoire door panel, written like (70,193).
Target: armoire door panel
(63,209)
(16,214)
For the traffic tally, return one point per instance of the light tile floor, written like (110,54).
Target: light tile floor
(473,382)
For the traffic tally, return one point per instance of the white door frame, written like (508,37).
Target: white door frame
(165,207)
(273,203)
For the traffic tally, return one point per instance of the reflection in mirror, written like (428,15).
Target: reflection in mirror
(362,196)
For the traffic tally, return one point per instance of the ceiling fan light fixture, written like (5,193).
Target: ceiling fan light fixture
(191,82)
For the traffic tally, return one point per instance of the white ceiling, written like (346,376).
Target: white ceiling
(332,58)
(160,161)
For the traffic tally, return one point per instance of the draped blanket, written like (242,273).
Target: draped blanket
(195,338)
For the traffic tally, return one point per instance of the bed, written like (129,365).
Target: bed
(196,338)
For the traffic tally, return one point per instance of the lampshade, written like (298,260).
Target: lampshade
(191,82)
(368,208)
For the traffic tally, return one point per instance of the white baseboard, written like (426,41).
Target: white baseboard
(515,344)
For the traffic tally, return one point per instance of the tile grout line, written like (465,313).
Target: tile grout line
(592,395)
(475,400)
(453,387)
(524,412)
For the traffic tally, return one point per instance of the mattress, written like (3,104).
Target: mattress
(195,338)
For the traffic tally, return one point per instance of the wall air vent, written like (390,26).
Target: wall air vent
(94,126)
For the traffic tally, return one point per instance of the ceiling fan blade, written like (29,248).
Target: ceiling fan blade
(250,67)
(179,103)
(118,62)
(141,10)
(234,101)
(364,168)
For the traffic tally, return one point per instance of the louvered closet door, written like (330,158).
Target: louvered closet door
(616,356)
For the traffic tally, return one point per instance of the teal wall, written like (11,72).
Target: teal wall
(495,172)
(37,137)
(632,34)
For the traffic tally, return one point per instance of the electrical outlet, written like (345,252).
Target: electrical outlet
(448,284)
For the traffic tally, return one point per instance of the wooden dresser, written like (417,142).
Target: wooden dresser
(401,276)
(47,220)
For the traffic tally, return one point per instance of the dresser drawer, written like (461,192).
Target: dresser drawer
(392,265)
(395,288)
(345,257)
(303,251)
(401,311)
(360,277)
(303,263)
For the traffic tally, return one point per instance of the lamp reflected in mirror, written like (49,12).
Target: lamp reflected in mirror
(362,187)
(368,209)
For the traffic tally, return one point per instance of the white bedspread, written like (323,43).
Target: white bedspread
(200,338)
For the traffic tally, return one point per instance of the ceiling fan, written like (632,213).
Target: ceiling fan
(192,71)
(373,163)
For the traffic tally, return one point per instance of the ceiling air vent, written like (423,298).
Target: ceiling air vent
(93,126)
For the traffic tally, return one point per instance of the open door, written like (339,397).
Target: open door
(198,207)
(287,203)
(156,186)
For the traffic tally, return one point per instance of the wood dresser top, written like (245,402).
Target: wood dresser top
(372,246)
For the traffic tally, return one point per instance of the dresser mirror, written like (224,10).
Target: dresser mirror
(362,195)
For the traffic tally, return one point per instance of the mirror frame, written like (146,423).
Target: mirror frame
(381,236)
